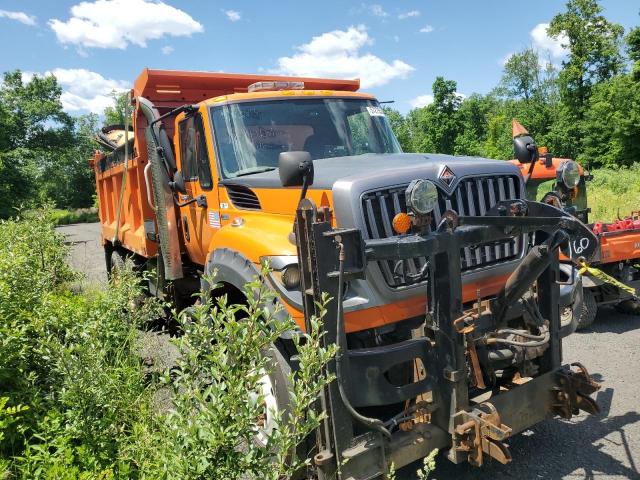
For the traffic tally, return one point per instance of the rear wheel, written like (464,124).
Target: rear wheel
(589,309)
(629,307)
(115,262)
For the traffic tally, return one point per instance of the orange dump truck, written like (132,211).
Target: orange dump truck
(563,182)
(213,171)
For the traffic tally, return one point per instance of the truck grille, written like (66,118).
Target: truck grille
(472,196)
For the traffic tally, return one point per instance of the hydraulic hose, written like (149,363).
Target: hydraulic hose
(521,333)
(372,423)
(534,343)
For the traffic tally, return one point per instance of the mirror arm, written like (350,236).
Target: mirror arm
(201,200)
(305,187)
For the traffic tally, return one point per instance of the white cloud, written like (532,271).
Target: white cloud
(396,38)
(421,101)
(233,15)
(409,14)
(378,11)
(336,54)
(426,29)
(83,90)
(167,50)
(117,23)
(19,17)
(542,41)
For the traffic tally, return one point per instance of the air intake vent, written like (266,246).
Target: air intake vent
(243,197)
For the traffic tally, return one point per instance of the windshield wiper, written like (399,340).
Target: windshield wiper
(252,171)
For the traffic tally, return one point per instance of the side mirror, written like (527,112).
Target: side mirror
(178,183)
(525,149)
(296,169)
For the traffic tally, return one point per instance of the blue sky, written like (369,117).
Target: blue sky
(396,48)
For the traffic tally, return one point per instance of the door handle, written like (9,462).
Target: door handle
(200,200)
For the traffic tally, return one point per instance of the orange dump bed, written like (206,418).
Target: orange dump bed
(172,88)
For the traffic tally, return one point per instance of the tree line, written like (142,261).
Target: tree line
(587,108)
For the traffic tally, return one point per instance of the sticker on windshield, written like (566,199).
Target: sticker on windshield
(375,111)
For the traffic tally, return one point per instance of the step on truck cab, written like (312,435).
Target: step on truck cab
(562,182)
(221,172)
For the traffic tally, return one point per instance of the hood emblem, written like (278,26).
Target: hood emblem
(446,176)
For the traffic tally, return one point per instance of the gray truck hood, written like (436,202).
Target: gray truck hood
(385,169)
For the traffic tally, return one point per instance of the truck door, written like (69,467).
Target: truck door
(199,222)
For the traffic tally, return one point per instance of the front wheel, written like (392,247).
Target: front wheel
(275,390)
(589,309)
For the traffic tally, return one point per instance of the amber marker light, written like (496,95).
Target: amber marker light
(401,223)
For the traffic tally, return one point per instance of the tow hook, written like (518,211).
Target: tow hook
(573,392)
(481,432)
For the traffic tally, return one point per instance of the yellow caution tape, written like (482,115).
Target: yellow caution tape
(600,275)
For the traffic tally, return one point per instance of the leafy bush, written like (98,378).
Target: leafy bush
(77,404)
(218,403)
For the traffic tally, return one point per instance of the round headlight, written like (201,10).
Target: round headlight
(570,174)
(422,196)
(291,277)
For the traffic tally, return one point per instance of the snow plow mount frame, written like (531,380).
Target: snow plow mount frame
(469,428)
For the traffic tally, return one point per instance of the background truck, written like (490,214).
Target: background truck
(562,182)
(213,172)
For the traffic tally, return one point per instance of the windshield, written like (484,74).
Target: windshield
(250,135)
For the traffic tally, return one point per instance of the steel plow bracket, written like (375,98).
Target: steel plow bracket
(480,432)
(573,391)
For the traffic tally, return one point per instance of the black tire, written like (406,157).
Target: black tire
(116,262)
(589,309)
(279,383)
(281,388)
(629,307)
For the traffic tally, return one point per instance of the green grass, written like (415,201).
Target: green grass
(614,192)
(79,215)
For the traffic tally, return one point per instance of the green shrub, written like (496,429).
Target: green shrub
(218,404)
(77,404)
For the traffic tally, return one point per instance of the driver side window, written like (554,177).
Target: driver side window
(193,151)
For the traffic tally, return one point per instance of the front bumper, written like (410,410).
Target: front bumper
(481,433)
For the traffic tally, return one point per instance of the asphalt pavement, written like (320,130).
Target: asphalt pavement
(603,447)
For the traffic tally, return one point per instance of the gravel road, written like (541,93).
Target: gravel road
(606,446)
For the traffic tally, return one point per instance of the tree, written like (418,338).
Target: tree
(399,127)
(594,51)
(67,178)
(115,115)
(520,78)
(34,128)
(612,123)
(633,50)
(434,128)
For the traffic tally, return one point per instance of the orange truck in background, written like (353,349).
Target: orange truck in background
(562,182)
(219,173)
